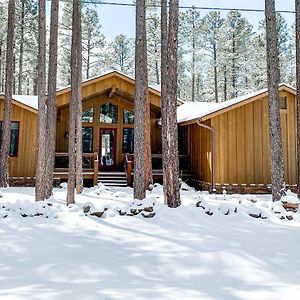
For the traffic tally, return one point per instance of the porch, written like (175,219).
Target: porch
(93,170)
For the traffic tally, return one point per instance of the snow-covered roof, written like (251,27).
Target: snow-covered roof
(196,110)
(29,100)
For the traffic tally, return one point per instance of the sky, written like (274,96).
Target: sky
(121,19)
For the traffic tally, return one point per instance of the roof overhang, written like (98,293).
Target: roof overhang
(232,104)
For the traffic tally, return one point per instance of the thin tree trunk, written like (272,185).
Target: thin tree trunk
(75,57)
(40,183)
(277,169)
(193,62)
(1,59)
(141,100)
(215,73)
(225,83)
(14,72)
(297,9)
(79,178)
(234,91)
(6,126)
(88,59)
(169,77)
(51,99)
(21,54)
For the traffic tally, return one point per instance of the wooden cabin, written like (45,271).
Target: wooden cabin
(228,143)
(23,135)
(108,105)
(220,144)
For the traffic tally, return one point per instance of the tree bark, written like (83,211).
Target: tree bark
(79,178)
(169,37)
(215,73)
(51,99)
(225,83)
(142,151)
(75,98)
(277,169)
(6,126)
(297,9)
(40,183)
(21,54)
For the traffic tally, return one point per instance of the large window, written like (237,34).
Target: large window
(128,117)
(87,139)
(108,113)
(88,116)
(14,138)
(127,140)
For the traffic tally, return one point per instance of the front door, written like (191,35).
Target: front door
(107,148)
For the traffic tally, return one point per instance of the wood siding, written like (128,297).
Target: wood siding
(242,144)
(96,102)
(23,165)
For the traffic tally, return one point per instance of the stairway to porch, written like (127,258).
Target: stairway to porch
(113,178)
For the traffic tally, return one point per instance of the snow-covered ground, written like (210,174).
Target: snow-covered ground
(182,253)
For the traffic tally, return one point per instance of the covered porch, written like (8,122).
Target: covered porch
(94,172)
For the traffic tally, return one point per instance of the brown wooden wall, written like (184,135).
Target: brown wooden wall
(242,144)
(24,164)
(96,102)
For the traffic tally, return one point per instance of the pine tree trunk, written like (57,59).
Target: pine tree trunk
(5,146)
(79,178)
(233,70)
(75,98)
(21,53)
(169,76)
(51,99)
(277,169)
(297,9)
(225,83)
(1,59)
(140,102)
(40,183)
(14,72)
(193,61)
(215,73)
(88,59)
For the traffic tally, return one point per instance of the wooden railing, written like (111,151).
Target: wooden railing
(184,164)
(90,162)
(128,167)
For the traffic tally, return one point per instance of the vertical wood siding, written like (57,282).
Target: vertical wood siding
(242,144)
(23,165)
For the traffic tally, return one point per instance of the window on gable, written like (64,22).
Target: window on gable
(14,138)
(109,113)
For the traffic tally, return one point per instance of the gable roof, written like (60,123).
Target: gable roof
(28,102)
(152,89)
(190,112)
(155,90)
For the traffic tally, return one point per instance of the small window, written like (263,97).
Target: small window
(87,139)
(282,103)
(14,138)
(88,116)
(128,117)
(128,141)
(108,113)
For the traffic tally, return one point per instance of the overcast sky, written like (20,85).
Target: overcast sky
(121,19)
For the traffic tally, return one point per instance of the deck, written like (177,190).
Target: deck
(123,177)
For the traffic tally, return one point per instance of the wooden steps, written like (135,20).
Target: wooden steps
(113,178)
